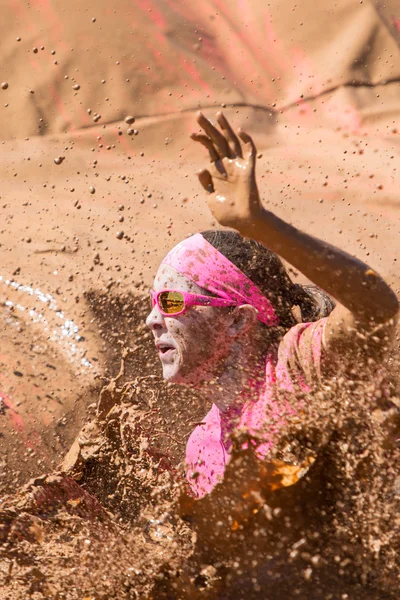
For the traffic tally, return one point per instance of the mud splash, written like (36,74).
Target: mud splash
(41,309)
(318,520)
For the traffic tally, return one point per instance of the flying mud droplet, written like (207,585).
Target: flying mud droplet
(4,85)
(129,120)
(92,189)
(120,235)
(35,50)
(58,160)
(76,86)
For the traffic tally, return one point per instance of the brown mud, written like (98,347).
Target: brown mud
(89,204)
(319,520)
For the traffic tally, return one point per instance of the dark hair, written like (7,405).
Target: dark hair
(267,271)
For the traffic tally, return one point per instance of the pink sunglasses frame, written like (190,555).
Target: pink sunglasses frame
(189,300)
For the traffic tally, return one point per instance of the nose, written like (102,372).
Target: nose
(155,321)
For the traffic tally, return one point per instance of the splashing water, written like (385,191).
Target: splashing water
(62,331)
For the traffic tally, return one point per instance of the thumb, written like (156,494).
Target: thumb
(206,180)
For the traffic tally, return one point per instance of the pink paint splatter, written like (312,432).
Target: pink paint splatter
(191,70)
(153,13)
(16,419)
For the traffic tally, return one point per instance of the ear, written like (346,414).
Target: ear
(244,318)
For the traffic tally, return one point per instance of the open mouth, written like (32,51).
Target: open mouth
(165,349)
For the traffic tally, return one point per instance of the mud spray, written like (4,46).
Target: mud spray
(318,520)
(88,202)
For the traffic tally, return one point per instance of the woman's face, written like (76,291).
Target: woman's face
(192,346)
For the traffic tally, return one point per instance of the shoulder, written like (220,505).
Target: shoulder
(301,334)
(301,350)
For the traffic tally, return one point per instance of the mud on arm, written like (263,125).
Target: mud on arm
(364,321)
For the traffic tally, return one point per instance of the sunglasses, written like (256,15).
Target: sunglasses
(172,302)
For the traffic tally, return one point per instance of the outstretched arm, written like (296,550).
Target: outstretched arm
(368,308)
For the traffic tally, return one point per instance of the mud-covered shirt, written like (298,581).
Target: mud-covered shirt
(291,371)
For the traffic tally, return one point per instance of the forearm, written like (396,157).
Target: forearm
(350,281)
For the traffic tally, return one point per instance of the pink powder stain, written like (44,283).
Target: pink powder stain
(248,62)
(208,447)
(396,23)
(209,50)
(61,106)
(304,114)
(55,26)
(345,115)
(275,46)
(16,419)
(125,144)
(255,39)
(304,66)
(153,13)
(34,64)
(166,67)
(184,9)
(191,70)
(21,14)
(31,440)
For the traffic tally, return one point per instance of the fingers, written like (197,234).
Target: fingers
(220,143)
(226,144)
(206,180)
(249,146)
(229,134)
(207,143)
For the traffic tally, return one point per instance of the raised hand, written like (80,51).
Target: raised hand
(230,182)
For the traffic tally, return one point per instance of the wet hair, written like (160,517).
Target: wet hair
(267,271)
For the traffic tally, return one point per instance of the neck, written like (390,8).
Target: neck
(237,380)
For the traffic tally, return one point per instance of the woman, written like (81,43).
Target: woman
(223,312)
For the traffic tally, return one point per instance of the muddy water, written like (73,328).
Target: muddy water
(117,522)
(89,205)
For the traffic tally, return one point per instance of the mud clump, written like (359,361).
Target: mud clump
(102,526)
(59,543)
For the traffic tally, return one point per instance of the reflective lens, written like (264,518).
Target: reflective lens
(171,302)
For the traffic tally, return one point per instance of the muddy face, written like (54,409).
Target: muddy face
(194,346)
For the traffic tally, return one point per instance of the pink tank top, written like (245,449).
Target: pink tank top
(294,366)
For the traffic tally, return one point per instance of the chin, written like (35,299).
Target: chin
(191,379)
(173,375)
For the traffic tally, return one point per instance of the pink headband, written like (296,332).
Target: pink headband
(199,261)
